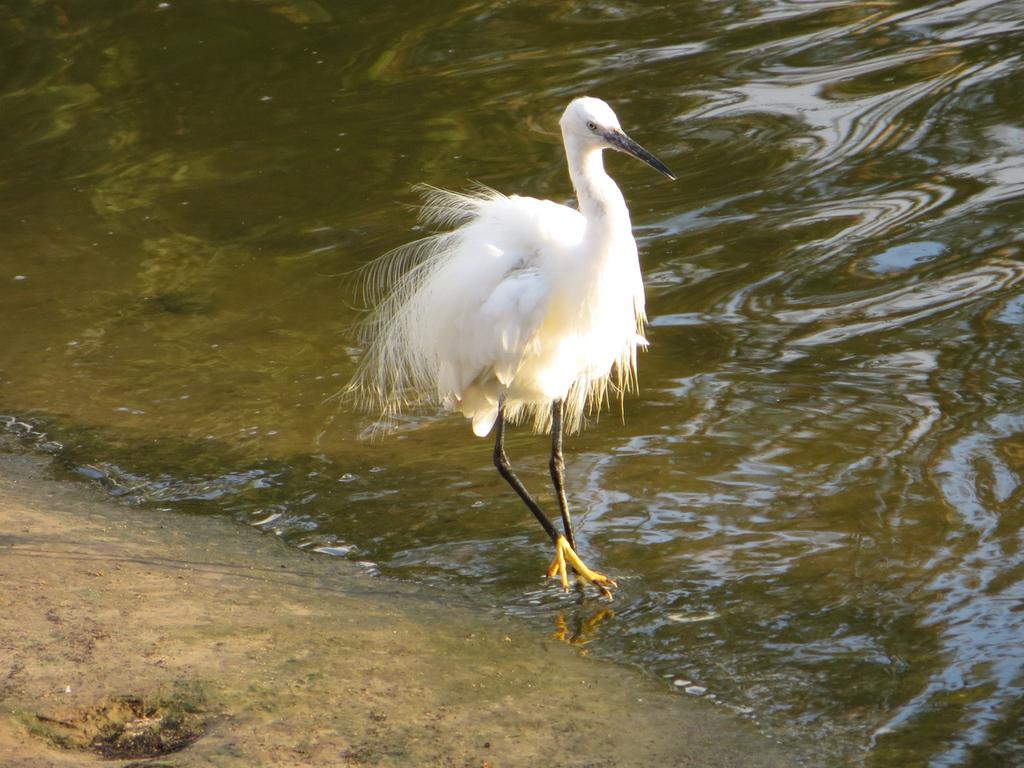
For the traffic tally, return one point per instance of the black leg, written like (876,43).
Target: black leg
(558,469)
(505,468)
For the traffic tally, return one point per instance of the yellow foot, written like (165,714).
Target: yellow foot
(565,557)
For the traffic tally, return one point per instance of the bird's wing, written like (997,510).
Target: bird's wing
(465,305)
(492,348)
(511,316)
(505,269)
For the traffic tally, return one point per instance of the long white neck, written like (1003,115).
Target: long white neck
(600,200)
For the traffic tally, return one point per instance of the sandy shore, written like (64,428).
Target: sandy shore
(129,632)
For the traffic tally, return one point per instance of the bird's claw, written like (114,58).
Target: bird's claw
(565,557)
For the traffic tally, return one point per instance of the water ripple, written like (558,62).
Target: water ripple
(975,606)
(902,306)
(850,126)
(873,214)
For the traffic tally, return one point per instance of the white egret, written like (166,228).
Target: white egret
(523,309)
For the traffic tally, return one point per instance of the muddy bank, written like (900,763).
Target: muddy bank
(132,637)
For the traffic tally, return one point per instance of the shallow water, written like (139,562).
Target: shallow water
(813,507)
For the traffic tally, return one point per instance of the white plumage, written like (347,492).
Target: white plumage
(522,309)
(524,298)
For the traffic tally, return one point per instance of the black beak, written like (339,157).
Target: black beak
(623,143)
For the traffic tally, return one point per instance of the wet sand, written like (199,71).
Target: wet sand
(134,631)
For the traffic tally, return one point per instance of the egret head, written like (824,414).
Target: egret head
(591,124)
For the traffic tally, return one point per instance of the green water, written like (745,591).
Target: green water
(814,506)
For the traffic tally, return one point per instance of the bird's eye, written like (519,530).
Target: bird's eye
(592,125)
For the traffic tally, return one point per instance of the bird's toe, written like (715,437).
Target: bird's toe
(566,557)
